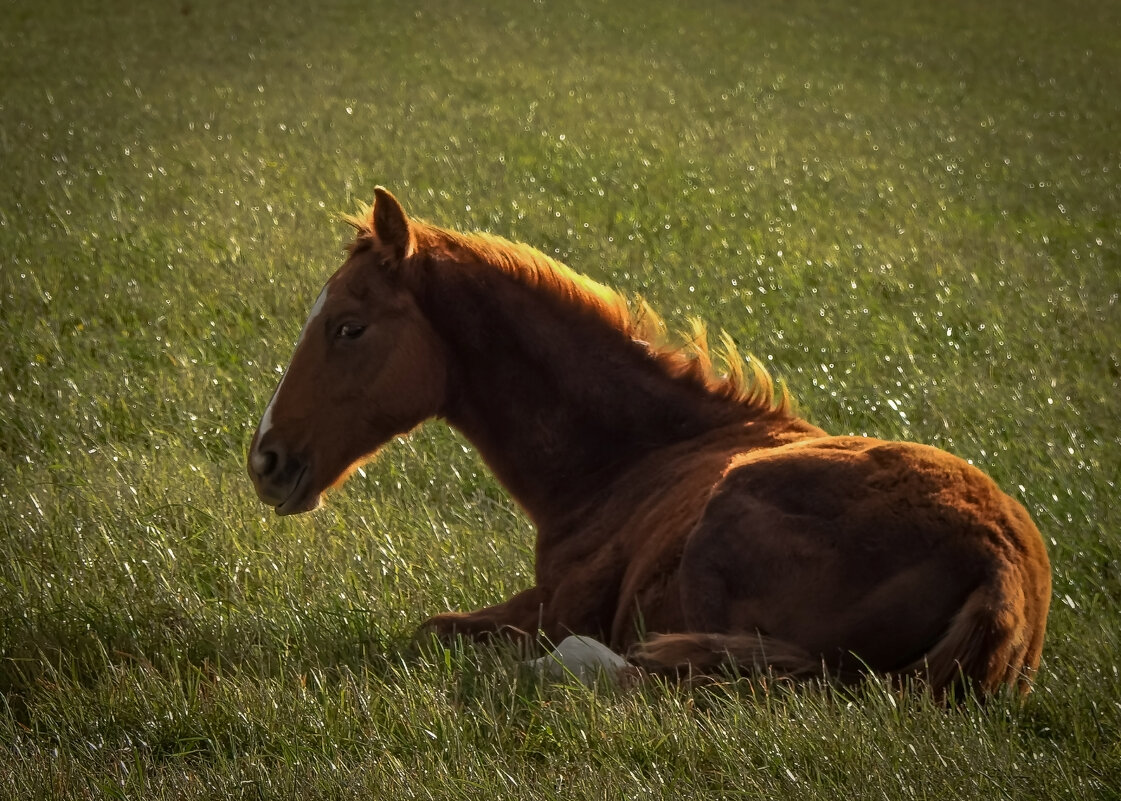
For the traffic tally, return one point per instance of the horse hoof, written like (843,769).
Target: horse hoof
(586,660)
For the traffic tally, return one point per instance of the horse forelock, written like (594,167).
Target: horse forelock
(362,222)
(690,362)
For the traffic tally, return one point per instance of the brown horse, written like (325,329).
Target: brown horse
(666,499)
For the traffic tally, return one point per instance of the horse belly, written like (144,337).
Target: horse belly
(847,545)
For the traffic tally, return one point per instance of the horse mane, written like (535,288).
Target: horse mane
(690,361)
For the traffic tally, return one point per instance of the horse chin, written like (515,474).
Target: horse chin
(298,506)
(302,498)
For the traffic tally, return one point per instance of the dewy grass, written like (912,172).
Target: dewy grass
(911,214)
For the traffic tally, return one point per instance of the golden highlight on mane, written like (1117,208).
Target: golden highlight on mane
(691,361)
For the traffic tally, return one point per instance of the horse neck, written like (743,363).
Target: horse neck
(557,400)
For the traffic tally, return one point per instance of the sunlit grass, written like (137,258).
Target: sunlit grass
(911,215)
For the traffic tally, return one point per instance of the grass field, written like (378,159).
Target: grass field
(913,214)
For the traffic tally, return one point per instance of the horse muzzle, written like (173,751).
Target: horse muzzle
(282,480)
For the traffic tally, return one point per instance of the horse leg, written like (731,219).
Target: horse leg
(519,618)
(720,633)
(722,601)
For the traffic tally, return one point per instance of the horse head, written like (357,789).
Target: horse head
(367,367)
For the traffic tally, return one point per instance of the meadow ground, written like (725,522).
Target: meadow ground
(913,215)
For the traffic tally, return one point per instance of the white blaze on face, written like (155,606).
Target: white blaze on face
(266,418)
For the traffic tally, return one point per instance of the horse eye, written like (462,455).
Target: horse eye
(350,331)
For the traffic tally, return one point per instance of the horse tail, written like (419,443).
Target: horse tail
(989,643)
(702,653)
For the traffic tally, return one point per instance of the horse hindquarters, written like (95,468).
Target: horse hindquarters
(987,645)
(847,555)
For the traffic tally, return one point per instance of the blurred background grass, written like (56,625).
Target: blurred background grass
(911,214)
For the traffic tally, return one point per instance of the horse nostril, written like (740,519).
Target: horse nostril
(264,462)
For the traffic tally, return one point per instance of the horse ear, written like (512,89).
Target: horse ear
(391,224)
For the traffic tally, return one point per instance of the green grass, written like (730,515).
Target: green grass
(912,214)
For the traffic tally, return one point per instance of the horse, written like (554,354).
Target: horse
(689,519)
